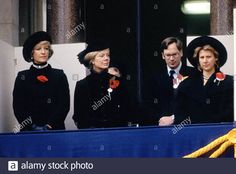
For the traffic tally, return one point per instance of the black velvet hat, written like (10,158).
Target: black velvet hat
(96,45)
(33,40)
(206,40)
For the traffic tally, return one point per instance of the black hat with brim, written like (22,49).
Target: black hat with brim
(206,40)
(33,40)
(96,45)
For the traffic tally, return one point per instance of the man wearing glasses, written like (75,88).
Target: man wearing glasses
(168,78)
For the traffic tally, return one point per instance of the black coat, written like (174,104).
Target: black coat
(211,103)
(94,108)
(163,93)
(45,103)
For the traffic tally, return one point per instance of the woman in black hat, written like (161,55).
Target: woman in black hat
(41,98)
(99,99)
(207,96)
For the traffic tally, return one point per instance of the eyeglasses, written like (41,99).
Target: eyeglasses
(174,55)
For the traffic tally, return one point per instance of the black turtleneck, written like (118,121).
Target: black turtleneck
(35,71)
(40,64)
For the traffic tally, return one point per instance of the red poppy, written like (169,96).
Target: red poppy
(178,80)
(42,78)
(114,83)
(220,76)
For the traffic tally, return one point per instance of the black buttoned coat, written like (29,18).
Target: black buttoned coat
(209,103)
(44,102)
(95,107)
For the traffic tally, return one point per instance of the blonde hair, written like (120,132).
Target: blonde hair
(206,48)
(90,56)
(49,46)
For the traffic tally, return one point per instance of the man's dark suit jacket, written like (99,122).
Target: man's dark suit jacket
(162,94)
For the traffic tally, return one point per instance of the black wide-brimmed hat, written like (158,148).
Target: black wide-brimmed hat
(206,40)
(33,40)
(95,45)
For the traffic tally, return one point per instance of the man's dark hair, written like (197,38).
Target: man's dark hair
(169,40)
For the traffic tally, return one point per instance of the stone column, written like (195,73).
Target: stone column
(64,21)
(221,17)
(36,20)
(9,21)
(30,18)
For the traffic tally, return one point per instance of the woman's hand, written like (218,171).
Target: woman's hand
(114,71)
(166,121)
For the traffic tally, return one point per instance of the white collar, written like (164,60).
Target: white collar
(40,66)
(176,69)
